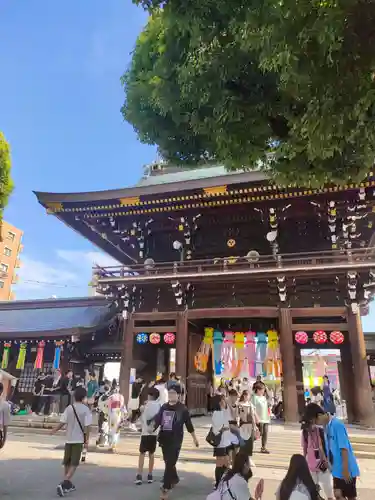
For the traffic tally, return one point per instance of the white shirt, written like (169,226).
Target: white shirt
(237,487)
(150,411)
(163,398)
(4,413)
(73,430)
(219,420)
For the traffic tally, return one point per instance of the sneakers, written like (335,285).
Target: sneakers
(265,451)
(64,488)
(138,480)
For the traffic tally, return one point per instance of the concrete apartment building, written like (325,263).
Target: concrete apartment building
(10,248)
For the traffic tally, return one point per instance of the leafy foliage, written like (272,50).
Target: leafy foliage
(287,86)
(6,183)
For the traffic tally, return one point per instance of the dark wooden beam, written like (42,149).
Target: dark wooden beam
(320,312)
(319,326)
(155,316)
(155,329)
(234,312)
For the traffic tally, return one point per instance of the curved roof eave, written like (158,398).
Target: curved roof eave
(254,176)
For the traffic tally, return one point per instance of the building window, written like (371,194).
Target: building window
(1,284)
(4,267)
(7,251)
(11,236)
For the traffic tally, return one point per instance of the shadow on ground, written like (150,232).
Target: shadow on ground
(37,479)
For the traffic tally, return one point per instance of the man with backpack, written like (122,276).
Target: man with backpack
(77,418)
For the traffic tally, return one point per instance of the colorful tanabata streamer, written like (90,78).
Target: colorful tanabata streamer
(39,355)
(57,358)
(21,357)
(218,342)
(239,345)
(203,354)
(227,353)
(250,352)
(5,359)
(261,352)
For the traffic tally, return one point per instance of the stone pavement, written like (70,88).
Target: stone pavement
(30,467)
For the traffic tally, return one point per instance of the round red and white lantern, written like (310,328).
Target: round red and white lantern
(154,338)
(301,337)
(336,337)
(169,338)
(320,337)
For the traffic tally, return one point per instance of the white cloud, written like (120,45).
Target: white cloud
(67,275)
(77,258)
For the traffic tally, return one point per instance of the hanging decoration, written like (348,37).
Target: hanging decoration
(202,356)
(250,352)
(217,347)
(231,243)
(239,345)
(169,338)
(227,353)
(320,337)
(273,354)
(5,359)
(21,357)
(271,236)
(332,223)
(141,338)
(336,337)
(155,338)
(301,337)
(261,352)
(188,228)
(39,355)
(57,357)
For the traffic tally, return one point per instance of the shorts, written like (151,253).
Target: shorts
(72,454)
(148,444)
(220,452)
(324,480)
(232,447)
(349,490)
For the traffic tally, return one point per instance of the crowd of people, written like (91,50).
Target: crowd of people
(240,416)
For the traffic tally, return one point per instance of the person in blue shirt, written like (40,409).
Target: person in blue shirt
(343,464)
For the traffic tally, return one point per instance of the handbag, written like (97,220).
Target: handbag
(214,439)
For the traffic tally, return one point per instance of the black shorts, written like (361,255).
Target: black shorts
(248,447)
(232,447)
(220,452)
(72,454)
(349,490)
(148,444)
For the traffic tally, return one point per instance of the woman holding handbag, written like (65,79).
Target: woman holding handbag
(220,429)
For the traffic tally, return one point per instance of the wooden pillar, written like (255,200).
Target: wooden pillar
(288,366)
(346,377)
(182,345)
(299,378)
(361,383)
(126,357)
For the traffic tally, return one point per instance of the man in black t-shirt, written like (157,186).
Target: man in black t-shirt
(171,419)
(37,393)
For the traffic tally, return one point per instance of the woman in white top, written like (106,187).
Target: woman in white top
(220,426)
(298,483)
(234,484)
(248,423)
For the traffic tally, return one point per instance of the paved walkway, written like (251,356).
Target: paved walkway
(30,467)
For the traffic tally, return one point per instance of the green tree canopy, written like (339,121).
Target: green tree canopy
(6,183)
(286,86)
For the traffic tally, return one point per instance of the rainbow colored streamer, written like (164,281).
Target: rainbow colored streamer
(39,355)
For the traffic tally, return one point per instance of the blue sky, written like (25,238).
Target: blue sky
(60,91)
(61,96)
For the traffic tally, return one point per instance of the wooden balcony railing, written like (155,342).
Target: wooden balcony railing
(304,263)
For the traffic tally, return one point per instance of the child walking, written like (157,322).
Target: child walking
(149,435)
(77,418)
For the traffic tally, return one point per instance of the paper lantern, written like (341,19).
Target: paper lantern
(142,338)
(155,338)
(336,337)
(320,337)
(301,337)
(169,338)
